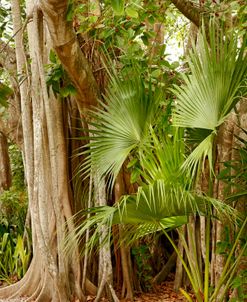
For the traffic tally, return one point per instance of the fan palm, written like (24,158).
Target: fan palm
(215,85)
(121,125)
(125,125)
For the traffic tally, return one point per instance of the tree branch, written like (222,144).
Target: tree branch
(189,10)
(69,52)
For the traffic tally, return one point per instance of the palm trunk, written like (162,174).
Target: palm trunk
(224,148)
(127,282)
(241,203)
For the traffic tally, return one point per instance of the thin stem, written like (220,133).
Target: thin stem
(228,261)
(207,258)
(232,271)
(193,264)
(84,275)
(208,231)
(190,276)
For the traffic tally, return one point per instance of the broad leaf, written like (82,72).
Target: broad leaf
(118,6)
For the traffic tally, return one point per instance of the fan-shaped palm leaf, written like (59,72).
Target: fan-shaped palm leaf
(210,92)
(121,125)
(162,158)
(153,207)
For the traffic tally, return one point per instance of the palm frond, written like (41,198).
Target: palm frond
(198,156)
(154,206)
(121,125)
(163,156)
(93,218)
(215,85)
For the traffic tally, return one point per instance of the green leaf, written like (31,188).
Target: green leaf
(131,12)
(214,86)
(5,93)
(52,56)
(135,175)
(64,91)
(132,163)
(156,73)
(118,7)
(122,125)
(70,11)
(145,39)
(67,90)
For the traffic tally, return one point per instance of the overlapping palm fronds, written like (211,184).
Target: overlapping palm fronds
(165,198)
(126,126)
(216,83)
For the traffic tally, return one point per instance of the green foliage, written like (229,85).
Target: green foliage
(5,21)
(118,6)
(13,202)
(141,255)
(128,126)
(14,253)
(13,206)
(5,93)
(128,35)
(14,257)
(57,78)
(17,168)
(216,83)
(239,283)
(121,126)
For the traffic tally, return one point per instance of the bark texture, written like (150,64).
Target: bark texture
(57,276)
(189,10)
(5,171)
(65,43)
(10,123)
(52,275)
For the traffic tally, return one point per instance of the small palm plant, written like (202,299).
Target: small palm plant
(127,126)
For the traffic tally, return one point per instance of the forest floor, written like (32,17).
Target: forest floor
(162,293)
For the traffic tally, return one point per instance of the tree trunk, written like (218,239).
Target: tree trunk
(52,275)
(224,149)
(65,43)
(179,267)
(163,274)
(5,170)
(241,205)
(127,285)
(10,123)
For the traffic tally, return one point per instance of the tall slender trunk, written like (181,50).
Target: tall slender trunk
(127,285)
(5,171)
(224,149)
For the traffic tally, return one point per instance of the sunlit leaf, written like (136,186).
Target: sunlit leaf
(118,6)
(214,86)
(131,12)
